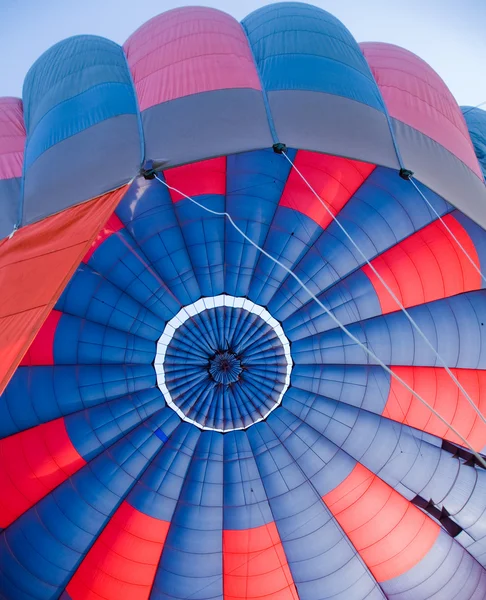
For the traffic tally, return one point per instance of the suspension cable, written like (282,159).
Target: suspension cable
(369,352)
(390,291)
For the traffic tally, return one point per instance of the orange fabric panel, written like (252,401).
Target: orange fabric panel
(197,179)
(390,534)
(33,463)
(426,266)
(35,266)
(255,565)
(335,180)
(436,387)
(122,563)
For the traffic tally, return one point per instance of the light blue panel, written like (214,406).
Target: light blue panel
(476,124)
(82,122)
(301,47)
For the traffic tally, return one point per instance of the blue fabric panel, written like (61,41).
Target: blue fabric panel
(432,576)
(94,298)
(96,428)
(204,240)
(453,326)
(66,522)
(301,47)
(157,492)
(403,457)
(191,564)
(149,216)
(40,394)
(255,182)
(322,462)
(245,501)
(96,105)
(384,211)
(478,237)
(362,386)
(82,342)
(80,110)
(322,562)
(121,261)
(290,237)
(9,205)
(159,433)
(100,61)
(351,300)
(476,124)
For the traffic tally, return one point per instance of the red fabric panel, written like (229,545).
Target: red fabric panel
(416,95)
(436,387)
(41,351)
(426,266)
(390,534)
(12,138)
(197,179)
(35,266)
(255,565)
(112,226)
(32,463)
(188,51)
(334,179)
(122,563)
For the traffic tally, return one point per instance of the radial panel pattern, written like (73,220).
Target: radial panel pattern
(241,445)
(189,423)
(223,363)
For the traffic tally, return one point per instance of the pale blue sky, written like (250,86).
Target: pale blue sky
(449,34)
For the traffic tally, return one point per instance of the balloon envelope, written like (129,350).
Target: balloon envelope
(186,421)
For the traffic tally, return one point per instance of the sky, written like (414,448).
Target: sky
(448,34)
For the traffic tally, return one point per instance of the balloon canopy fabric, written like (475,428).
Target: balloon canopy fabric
(191,226)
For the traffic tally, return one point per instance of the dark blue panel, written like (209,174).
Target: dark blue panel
(94,429)
(92,297)
(204,240)
(289,239)
(157,492)
(80,341)
(39,394)
(191,565)
(351,300)
(148,214)
(453,326)
(255,182)
(362,386)
(476,124)
(384,211)
(245,500)
(66,522)
(301,47)
(121,261)
(322,562)
(477,235)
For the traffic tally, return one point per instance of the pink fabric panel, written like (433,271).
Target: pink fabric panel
(187,51)
(12,138)
(417,96)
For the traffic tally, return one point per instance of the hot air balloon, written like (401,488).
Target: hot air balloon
(242,318)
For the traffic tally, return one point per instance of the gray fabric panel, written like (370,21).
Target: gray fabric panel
(332,124)
(9,205)
(206,125)
(86,165)
(442,172)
